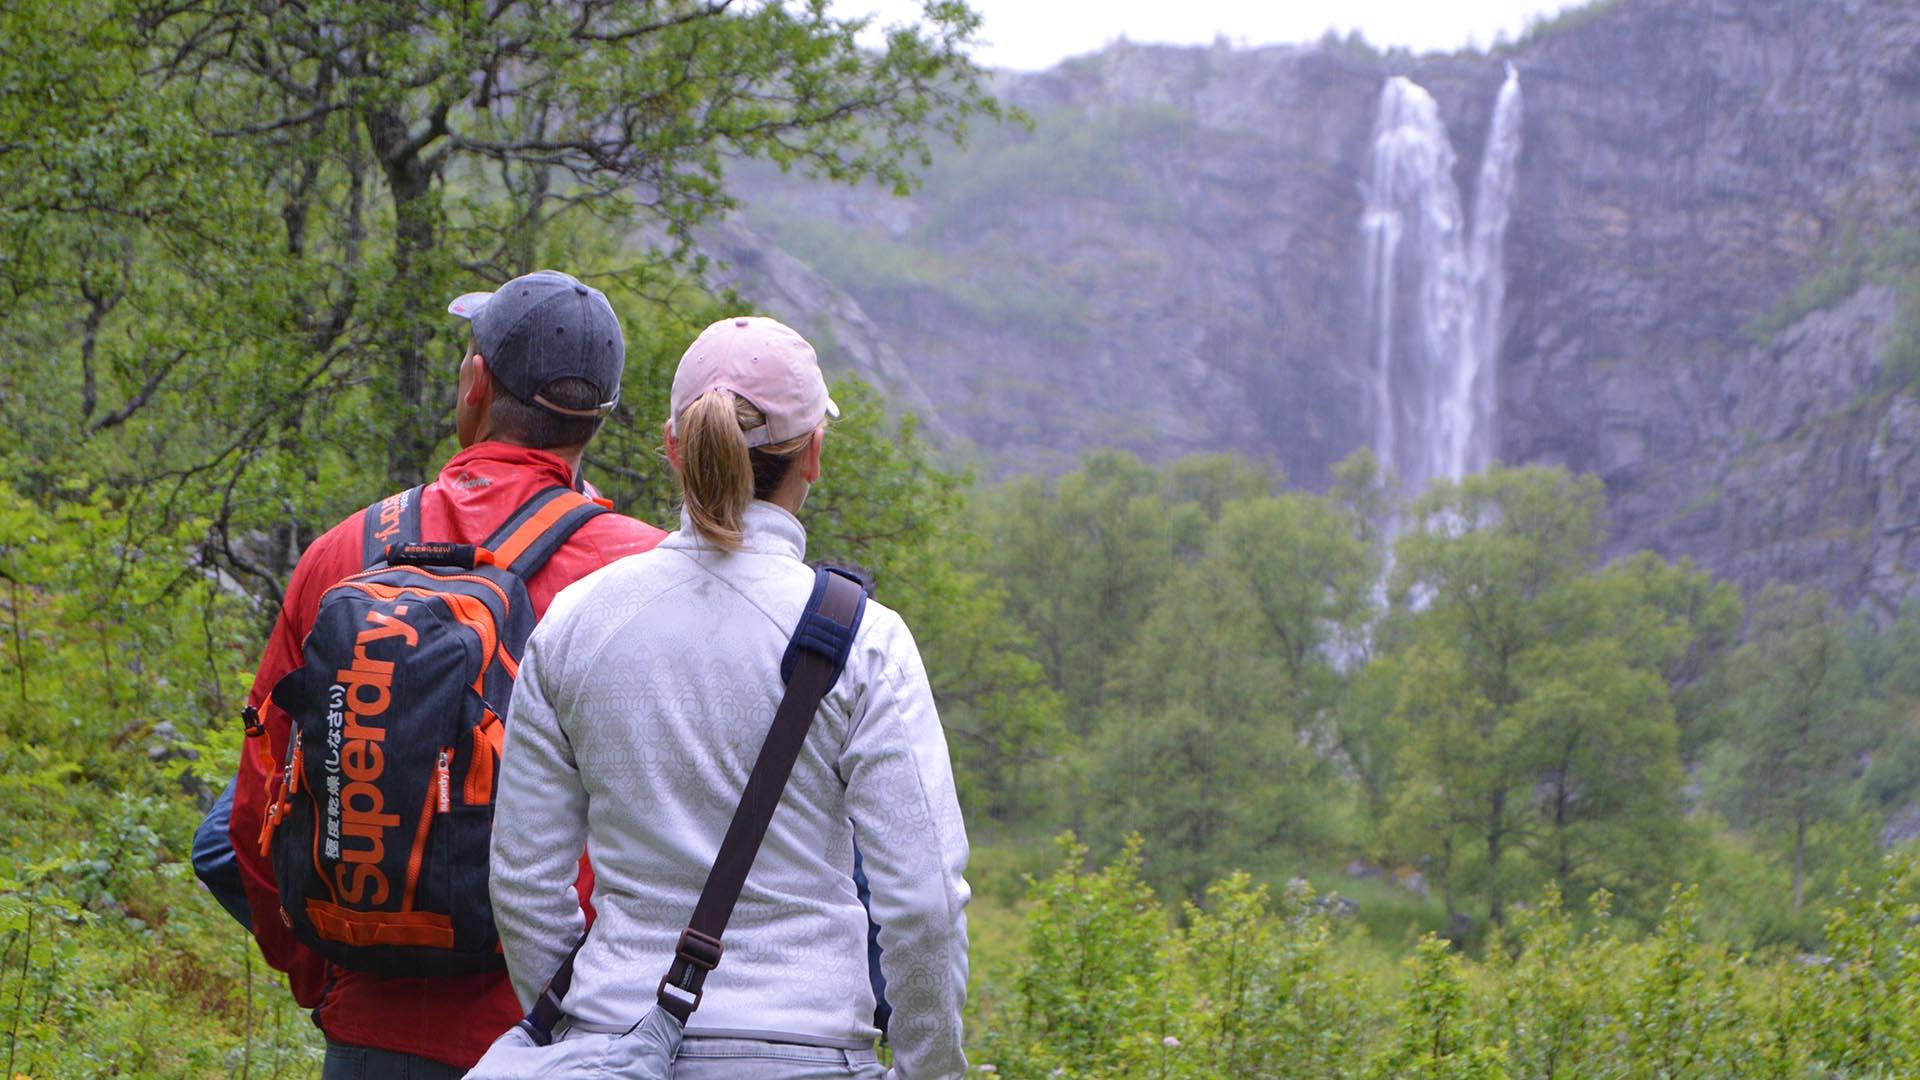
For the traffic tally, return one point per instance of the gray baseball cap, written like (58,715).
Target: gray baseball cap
(545,326)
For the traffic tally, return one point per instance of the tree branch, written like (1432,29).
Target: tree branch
(705,11)
(139,400)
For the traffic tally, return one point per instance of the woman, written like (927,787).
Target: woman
(639,710)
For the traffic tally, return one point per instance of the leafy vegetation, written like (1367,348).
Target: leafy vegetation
(230,229)
(1112,983)
(1577,15)
(1516,715)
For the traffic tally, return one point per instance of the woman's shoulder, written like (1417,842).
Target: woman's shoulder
(610,594)
(883,645)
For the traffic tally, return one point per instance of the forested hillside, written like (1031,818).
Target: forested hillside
(1360,783)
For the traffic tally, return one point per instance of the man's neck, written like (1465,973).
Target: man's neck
(571,455)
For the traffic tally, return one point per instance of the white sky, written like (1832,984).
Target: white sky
(1027,35)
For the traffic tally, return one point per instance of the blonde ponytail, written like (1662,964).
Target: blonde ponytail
(716,474)
(719,475)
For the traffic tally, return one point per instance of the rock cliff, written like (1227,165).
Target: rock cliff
(1170,261)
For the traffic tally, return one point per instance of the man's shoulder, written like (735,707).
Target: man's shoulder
(335,553)
(615,535)
(602,541)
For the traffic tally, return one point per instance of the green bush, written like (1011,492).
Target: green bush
(1111,985)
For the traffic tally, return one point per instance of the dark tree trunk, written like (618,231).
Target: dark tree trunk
(1799,856)
(418,421)
(1496,837)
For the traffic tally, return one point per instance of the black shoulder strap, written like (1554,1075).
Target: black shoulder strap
(813,662)
(393,520)
(535,531)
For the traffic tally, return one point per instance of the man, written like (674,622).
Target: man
(542,369)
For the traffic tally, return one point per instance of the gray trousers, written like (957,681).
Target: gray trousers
(752,1059)
(365,1063)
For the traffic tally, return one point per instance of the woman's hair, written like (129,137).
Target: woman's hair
(719,474)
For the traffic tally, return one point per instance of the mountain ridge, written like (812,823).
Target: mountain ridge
(1170,263)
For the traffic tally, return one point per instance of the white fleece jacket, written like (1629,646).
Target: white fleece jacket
(639,709)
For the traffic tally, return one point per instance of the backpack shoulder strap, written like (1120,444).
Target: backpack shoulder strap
(815,657)
(393,520)
(538,529)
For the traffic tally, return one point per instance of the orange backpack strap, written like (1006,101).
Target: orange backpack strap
(538,529)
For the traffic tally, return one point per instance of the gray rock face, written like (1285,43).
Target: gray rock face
(1171,263)
(1902,827)
(1686,165)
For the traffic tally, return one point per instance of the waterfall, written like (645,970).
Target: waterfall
(1434,286)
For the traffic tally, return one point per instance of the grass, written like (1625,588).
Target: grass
(116,961)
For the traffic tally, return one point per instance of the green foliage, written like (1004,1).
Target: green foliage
(1532,707)
(231,231)
(882,505)
(1228,679)
(1241,986)
(1438,1037)
(1080,559)
(883,272)
(1539,28)
(1111,986)
(1802,716)
(1095,984)
(1868,985)
(1679,621)
(1893,260)
(1841,276)
(1063,151)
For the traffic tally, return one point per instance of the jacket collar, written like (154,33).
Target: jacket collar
(766,529)
(550,468)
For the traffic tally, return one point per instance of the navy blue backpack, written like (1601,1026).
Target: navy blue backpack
(379,823)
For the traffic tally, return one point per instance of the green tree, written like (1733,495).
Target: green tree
(1227,689)
(1801,717)
(884,505)
(1537,737)
(230,230)
(1680,621)
(1603,746)
(558,106)
(236,225)
(1080,558)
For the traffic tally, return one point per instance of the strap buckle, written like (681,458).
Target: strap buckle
(673,999)
(698,949)
(681,987)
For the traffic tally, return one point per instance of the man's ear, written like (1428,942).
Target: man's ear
(477,391)
(672,444)
(473,401)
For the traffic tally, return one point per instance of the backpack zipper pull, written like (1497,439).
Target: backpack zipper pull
(443,779)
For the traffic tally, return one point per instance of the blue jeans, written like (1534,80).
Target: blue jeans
(752,1059)
(365,1063)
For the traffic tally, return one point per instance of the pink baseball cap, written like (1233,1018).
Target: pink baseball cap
(765,362)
